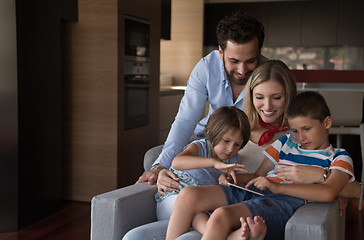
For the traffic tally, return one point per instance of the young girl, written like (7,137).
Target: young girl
(203,161)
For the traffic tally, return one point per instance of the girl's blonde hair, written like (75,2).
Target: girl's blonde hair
(270,70)
(224,119)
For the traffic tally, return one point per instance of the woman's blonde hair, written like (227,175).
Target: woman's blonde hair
(270,70)
(224,119)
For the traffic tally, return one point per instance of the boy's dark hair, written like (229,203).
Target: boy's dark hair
(224,119)
(239,27)
(309,104)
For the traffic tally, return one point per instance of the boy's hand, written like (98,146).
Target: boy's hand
(343,203)
(263,183)
(301,174)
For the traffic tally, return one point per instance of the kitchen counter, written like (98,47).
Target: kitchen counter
(345,87)
(171,90)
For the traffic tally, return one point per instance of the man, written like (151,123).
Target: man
(218,78)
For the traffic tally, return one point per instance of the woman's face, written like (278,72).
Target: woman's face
(269,101)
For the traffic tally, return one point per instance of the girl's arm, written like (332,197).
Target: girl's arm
(189,159)
(325,192)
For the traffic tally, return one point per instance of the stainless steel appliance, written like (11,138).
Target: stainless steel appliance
(136,70)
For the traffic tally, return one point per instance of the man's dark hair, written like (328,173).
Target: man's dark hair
(309,104)
(239,27)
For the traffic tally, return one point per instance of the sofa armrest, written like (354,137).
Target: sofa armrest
(316,221)
(116,212)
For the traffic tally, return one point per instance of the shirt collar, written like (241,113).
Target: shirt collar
(225,80)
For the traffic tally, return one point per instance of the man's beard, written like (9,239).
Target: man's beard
(235,80)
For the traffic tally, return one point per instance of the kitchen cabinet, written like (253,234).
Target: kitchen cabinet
(350,23)
(169,102)
(101,154)
(281,32)
(319,23)
(298,23)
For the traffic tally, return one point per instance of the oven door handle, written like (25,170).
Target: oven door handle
(137,86)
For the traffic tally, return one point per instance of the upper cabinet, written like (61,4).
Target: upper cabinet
(350,23)
(279,30)
(319,23)
(298,23)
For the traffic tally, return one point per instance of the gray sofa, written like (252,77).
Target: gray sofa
(115,213)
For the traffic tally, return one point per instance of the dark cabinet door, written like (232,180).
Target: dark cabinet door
(350,23)
(284,25)
(319,23)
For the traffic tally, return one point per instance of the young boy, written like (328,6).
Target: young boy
(308,144)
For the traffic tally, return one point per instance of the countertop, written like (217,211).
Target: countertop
(171,90)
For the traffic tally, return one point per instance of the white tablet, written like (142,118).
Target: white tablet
(246,189)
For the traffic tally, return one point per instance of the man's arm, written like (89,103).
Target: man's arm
(189,112)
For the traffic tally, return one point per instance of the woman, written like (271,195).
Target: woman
(265,104)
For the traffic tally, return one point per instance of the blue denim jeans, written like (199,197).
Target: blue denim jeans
(157,231)
(275,209)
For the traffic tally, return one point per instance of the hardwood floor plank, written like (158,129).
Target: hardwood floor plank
(354,225)
(71,222)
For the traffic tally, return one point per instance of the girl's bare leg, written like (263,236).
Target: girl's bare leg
(224,220)
(252,229)
(190,201)
(199,221)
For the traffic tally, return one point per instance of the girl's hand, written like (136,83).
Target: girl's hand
(225,178)
(263,183)
(230,168)
(224,167)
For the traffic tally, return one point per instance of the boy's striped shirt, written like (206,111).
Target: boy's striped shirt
(287,152)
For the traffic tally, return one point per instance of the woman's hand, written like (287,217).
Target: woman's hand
(167,181)
(230,169)
(301,174)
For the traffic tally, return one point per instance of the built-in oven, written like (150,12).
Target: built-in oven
(136,101)
(136,71)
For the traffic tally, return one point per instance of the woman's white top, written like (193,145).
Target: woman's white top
(252,155)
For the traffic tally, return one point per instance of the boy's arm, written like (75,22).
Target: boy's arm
(351,190)
(263,169)
(325,192)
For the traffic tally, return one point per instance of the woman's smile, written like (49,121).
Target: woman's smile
(269,101)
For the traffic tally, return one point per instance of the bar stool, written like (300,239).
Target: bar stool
(346,109)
